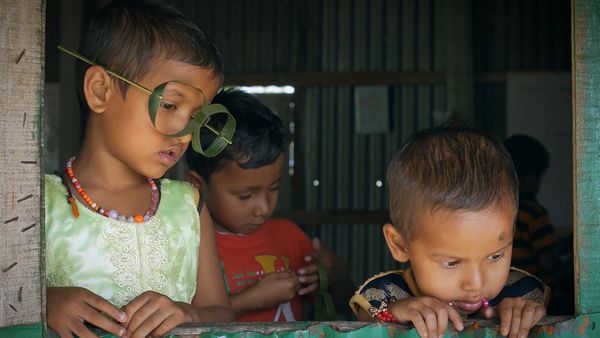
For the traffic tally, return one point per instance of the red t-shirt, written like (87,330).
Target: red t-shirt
(279,245)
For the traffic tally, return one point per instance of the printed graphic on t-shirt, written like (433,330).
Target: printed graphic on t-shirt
(266,264)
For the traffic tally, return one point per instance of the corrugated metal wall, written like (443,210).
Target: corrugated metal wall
(282,36)
(515,35)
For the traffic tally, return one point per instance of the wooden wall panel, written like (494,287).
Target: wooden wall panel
(21,63)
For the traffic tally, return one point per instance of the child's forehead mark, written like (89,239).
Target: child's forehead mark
(502,236)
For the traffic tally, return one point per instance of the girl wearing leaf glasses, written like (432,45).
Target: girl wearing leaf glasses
(126,252)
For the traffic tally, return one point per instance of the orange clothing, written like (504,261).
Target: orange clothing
(278,245)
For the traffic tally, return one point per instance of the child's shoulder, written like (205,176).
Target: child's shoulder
(53,185)
(175,184)
(382,289)
(388,280)
(523,284)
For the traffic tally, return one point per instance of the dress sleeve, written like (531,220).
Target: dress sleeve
(379,291)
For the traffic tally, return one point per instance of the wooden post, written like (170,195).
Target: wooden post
(21,87)
(459,60)
(586,155)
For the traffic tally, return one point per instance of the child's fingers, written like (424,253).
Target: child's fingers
(515,322)
(94,317)
(442,321)
(309,289)
(431,321)
(102,305)
(151,323)
(532,313)
(455,318)
(505,313)
(80,330)
(138,309)
(310,269)
(316,244)
(308,279)
(167,325)
(419,324)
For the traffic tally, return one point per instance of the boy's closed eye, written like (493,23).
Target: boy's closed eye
(496,257)
(245,197)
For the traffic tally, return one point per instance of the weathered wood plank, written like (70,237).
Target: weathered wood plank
(586,109)
(21,65)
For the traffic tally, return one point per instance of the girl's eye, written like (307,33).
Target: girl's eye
(450,264)
(496,257)
(275,188)
(167,106)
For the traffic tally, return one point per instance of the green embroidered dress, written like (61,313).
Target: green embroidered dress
(120,260)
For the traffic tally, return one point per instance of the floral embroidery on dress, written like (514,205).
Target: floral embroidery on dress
(138,253)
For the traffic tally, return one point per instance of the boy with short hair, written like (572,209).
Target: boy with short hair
(268,263)
(453,201)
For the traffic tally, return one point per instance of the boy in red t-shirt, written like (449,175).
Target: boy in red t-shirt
(268,264)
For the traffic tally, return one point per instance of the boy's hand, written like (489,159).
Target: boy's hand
(274,289)
(517,316)
(428,315)
(68,308)
(153,314)
(308,275)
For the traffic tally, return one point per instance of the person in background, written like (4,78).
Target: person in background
(535,244)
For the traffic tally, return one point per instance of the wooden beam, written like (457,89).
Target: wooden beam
(21,66)
(586,159)
(336,78)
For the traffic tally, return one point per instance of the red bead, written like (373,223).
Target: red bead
(386,316)
(138,218)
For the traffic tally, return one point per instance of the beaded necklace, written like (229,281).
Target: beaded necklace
(114,214)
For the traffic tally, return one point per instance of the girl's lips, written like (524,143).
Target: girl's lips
(168,157)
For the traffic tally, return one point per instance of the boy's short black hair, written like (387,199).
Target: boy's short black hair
(260,136)
(528,155)
(449,168)
(127,35)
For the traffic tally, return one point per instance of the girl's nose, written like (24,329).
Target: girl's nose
(187,138)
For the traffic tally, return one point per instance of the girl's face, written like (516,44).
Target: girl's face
(127,131)
(241,200)
(463,256)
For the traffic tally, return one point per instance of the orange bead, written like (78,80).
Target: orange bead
(138,218)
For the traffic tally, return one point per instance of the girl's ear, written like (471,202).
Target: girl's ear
(97,88)
(396,243)
(195,179)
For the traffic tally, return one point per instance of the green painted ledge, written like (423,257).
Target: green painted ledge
(581,326)
(559,327)
(22,331)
